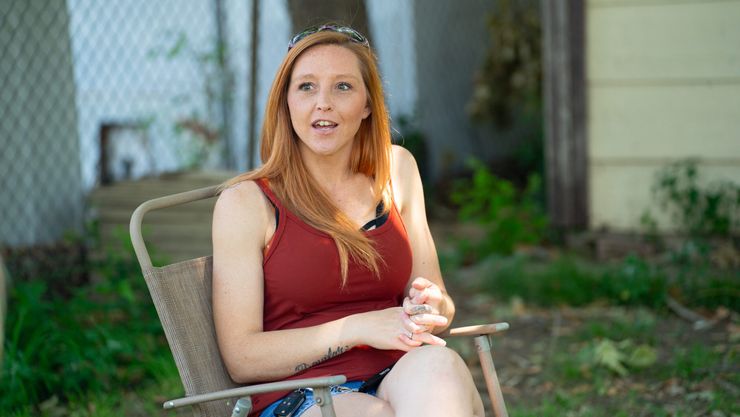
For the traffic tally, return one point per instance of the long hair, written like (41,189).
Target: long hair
(288,177)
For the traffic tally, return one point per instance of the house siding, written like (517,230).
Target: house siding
(663,84)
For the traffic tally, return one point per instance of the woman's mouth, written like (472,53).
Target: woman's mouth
(324,125)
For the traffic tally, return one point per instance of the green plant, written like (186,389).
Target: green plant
(509,216)
(565,281)
(617,357)
(510,79)
(621,324)
(507,92)
(698,210)
(568,280)
(635,282)
(100,337)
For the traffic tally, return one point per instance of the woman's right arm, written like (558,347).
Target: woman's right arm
(243,220)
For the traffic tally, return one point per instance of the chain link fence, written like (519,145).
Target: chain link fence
(100,92)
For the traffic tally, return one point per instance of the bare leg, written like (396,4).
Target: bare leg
(431,381)
(355,404)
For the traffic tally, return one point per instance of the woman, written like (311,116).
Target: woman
(300,289)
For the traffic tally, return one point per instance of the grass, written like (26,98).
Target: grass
(640,324)
(693,374)
(617,350)
(594,339)
(145,400)
(576,281)
(77,349)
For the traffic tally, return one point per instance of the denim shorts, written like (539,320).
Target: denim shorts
(351,386)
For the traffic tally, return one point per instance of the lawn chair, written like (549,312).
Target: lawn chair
(182,296)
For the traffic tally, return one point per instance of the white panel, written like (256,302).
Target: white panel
(392,30)
(659,40)
(620,194)
(664,122)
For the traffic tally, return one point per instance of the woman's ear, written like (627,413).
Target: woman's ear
(366,112)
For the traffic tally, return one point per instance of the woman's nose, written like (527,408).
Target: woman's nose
(323,101)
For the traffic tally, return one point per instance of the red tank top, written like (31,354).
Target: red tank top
(303,287)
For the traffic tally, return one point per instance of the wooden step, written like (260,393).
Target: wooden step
(177,233)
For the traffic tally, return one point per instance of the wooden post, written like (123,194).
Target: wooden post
(253,129)
(566,158)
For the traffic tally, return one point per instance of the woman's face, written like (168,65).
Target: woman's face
(327,99)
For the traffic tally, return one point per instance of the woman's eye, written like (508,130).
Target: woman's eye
(344,86)
(305,86)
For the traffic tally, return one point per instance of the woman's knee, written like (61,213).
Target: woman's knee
(428,366)
(434,379)
(438,358)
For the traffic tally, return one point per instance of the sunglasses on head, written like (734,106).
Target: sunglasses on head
(354,35)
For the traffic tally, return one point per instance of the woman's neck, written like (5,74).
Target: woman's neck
(330,171)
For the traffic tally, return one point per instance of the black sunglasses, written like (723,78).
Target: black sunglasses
(354,35)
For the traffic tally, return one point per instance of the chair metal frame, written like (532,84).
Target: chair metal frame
(480,333)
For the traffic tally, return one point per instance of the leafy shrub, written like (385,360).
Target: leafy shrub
(511,75)
(698,210)
(633,281)
(618,357)
(567,281)
(508,216)
(102,337)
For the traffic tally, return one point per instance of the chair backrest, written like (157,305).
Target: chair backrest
(182,296)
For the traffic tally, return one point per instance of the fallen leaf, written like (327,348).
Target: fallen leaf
(642,357)
(608,355)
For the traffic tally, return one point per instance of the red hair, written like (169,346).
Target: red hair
(288,176)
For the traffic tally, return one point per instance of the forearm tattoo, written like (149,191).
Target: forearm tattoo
(329,354)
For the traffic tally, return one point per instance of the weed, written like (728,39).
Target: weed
(691,362)
(639,324)
(97,338)
(573,281)
(508,216)
(698,210)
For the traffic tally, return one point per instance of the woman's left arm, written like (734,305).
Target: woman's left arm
(426,286)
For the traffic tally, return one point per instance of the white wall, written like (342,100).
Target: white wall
(663,81)
(391,27)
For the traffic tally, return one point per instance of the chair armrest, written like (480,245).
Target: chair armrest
(478,330)
(256,389)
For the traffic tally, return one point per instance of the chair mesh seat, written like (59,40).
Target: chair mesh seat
(182,296)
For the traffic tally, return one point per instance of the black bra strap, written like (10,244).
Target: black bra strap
(379,219)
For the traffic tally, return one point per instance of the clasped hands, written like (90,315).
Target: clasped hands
(420,314)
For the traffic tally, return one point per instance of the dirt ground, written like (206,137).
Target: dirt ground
(528,355)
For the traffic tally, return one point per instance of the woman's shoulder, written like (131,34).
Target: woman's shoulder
(401,155)
(404,175)
(403,164)
(243,200)
(239,193)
